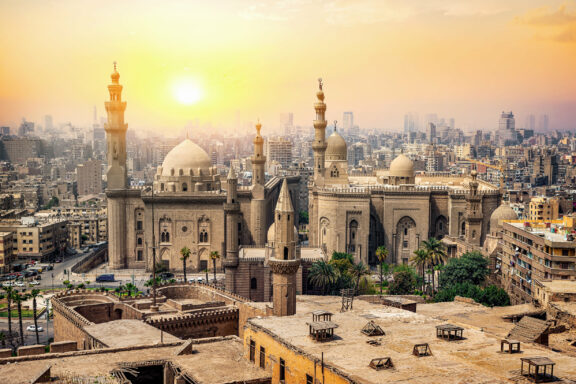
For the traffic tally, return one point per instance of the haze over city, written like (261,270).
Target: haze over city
(219,61)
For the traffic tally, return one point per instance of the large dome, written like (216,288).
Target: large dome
(402,166)
(186,156)
(503,212)
(336,148)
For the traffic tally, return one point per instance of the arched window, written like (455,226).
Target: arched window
(203,236)
(463,228)
(285,253)
(352,229)
(184,187)
(139,241)
(253,283)
(334,172)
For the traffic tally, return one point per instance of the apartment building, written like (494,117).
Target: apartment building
(543,209)
(6,251)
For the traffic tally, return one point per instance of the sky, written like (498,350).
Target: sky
(224,61)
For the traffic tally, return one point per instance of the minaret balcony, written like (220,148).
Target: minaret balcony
(231,207)
(284,267)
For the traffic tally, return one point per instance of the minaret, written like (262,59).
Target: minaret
(232,210)
(319,145)
(116,174)
(473,215)
(258,224)
(285,262)
(258,158)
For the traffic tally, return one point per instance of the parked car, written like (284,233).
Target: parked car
(166,275)
(7,284)
(35,282)
(32,328)
(200,279)
(19,284)
(105,277)
(58,260)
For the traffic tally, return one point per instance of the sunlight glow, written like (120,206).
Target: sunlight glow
(187,92)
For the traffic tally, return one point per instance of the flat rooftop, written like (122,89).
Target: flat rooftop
(558,237)
(219,361)
(476,359)
(127,333)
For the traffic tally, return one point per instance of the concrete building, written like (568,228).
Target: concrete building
(6,251)
(89,178)
(280,150)
(543,209)
(19,149)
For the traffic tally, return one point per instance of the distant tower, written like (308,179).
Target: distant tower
(257,204)
(116,174)
(232,210)
(284,263)
(473,216)
(319,145)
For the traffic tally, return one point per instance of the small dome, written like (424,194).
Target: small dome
(336,148)
(186,155)
(271,236)
(402,166)
(503,212)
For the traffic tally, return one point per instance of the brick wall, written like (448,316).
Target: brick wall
(63,346)
(31,350)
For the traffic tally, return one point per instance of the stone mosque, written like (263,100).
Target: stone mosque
(252,228)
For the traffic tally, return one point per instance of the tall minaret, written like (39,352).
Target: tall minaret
(232,210)
(319,145)
(473,215)
(285,262)
(116,174)
(258,158)
(258,224)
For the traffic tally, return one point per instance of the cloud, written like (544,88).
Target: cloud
(553,24)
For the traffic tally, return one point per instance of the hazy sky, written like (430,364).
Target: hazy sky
(181,60)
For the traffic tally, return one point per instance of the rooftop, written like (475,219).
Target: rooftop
(474,359)
(125,333)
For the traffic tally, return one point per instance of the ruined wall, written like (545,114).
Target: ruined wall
(68,324)
(105,312)
(205,323)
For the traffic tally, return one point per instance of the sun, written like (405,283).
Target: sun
(187,92)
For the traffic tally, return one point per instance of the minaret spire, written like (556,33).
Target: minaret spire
(116,135)
(319,145)
(258,158)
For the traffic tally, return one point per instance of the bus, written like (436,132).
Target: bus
(106,277)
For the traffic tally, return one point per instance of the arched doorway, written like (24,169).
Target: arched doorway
(406,239)
(441,227)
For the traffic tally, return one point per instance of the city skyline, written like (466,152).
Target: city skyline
(186,61)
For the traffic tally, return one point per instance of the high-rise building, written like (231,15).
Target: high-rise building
(89,178)
(26,128)
(48,123)
(348,122)
(410,122)
(280,150)
(431,132)
(507,134)
(287,123)
(19,149)
(530,122)
(544,123)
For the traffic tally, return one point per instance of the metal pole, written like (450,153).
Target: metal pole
(153,253)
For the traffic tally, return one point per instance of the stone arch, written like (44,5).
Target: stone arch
(203,259)
(441,227)
(324,231)
(165,256)
(406,239)
(253,283)
(352,236)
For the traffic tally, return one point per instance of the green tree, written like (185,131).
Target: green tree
(437,255)
(490,296)
(404,282)
(303,217)
(382,255)
(9,291)
(35,294)
(214,255)
(18,298)
(342,256)
(3,339)
(131,289)
(184,256)
(420,260)
(357,272)
(323,275)
(472,267)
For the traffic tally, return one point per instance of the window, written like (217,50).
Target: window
(285,253)
(139,241)
(139,255)
(309,379)
(262,357)
(203,236)
(184,187)
(253,283)
(252,350)
(165,237)
(139,225)
(405,231)
(282,370)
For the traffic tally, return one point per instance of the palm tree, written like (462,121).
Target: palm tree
(131,288)
(9,291)
(185,252)
(420,260)
(34,295)
(322,275)
(19,298)
(214,255)
(381,254)
(357,271)
(437,255)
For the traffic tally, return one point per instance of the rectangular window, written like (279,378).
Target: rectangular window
(139,255)
(252,350)
(309,379)
(139,225)
(282,370)
(262,357)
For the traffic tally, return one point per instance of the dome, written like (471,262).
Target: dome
(271,236)
(186,155)
(402,166)
(336,148)
(503,212)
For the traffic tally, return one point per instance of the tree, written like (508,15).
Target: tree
(185,255)
(9,291)
(322,275)
(303,217)
(472,267)
(18,299)
(404,282)
(131,289)
(420,260)
(490,296)
(214,255)
(436,254)
(381,254)
(35,294)
(358,271)
(3,339)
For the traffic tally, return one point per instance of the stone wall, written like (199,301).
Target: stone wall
(5,353)
(205,323)
(91,262)
(63,346)
(31,350)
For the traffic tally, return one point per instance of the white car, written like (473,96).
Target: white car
(35,282)
(32,328)
(200,279)
(19,284)
(7,284)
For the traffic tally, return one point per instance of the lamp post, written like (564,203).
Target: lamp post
(154,307)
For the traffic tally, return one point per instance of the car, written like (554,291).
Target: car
(105,277)
(7,284)
(19,284)
(58,260)
(166,275)
(200,279)
(35,282)
(32,328)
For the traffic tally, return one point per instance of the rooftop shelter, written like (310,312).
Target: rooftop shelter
(449,332)
(540,369)
(509,346)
